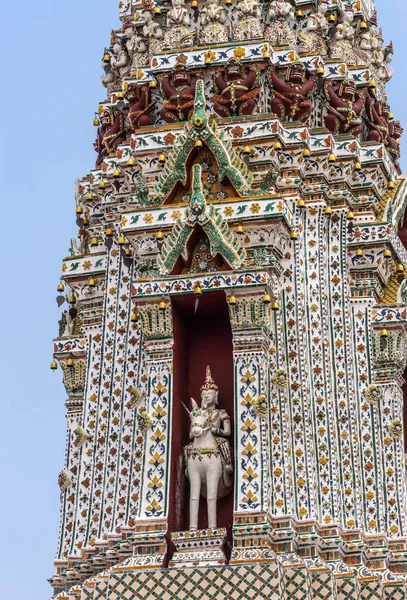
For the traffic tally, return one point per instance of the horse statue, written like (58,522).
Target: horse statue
(208,456)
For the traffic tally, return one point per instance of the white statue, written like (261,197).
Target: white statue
(153,33)
(321,14)
(67,324)
(364,49)
(118,68)
(120,60)
(74,250)
(129,32)
(347,17)
(382,72)
(312,39)
(279,32)
(341,48)
(139,57)
(249,25)
(343,37)
(376,38)
(388,57)
(208,457)
(213,19)
(137,49)
(178,34)
(110,77)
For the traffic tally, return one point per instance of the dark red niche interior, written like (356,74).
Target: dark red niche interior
(200,339)
(402,231)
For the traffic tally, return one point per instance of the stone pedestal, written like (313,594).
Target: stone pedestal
(201,548)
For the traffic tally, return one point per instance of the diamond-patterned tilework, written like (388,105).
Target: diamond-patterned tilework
(323,586)
(395,592)
(251,582)
(87,593)
(296,583)
(346,588)
(269,581)
(370,590)
(100,589)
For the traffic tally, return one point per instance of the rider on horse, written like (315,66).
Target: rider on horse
(219,419)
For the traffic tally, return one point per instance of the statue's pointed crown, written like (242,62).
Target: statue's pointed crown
(209,383)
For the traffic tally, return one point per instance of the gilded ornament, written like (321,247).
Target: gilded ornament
(144,420)
(79,437)
(396,429)
(374,394)
(260,406)
(63,480)
(280,379)
(135,396)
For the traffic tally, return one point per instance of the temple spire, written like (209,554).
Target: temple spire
(242,216)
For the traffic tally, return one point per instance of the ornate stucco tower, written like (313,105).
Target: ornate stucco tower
(244,214)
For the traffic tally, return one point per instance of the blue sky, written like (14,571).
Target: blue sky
(50,71)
